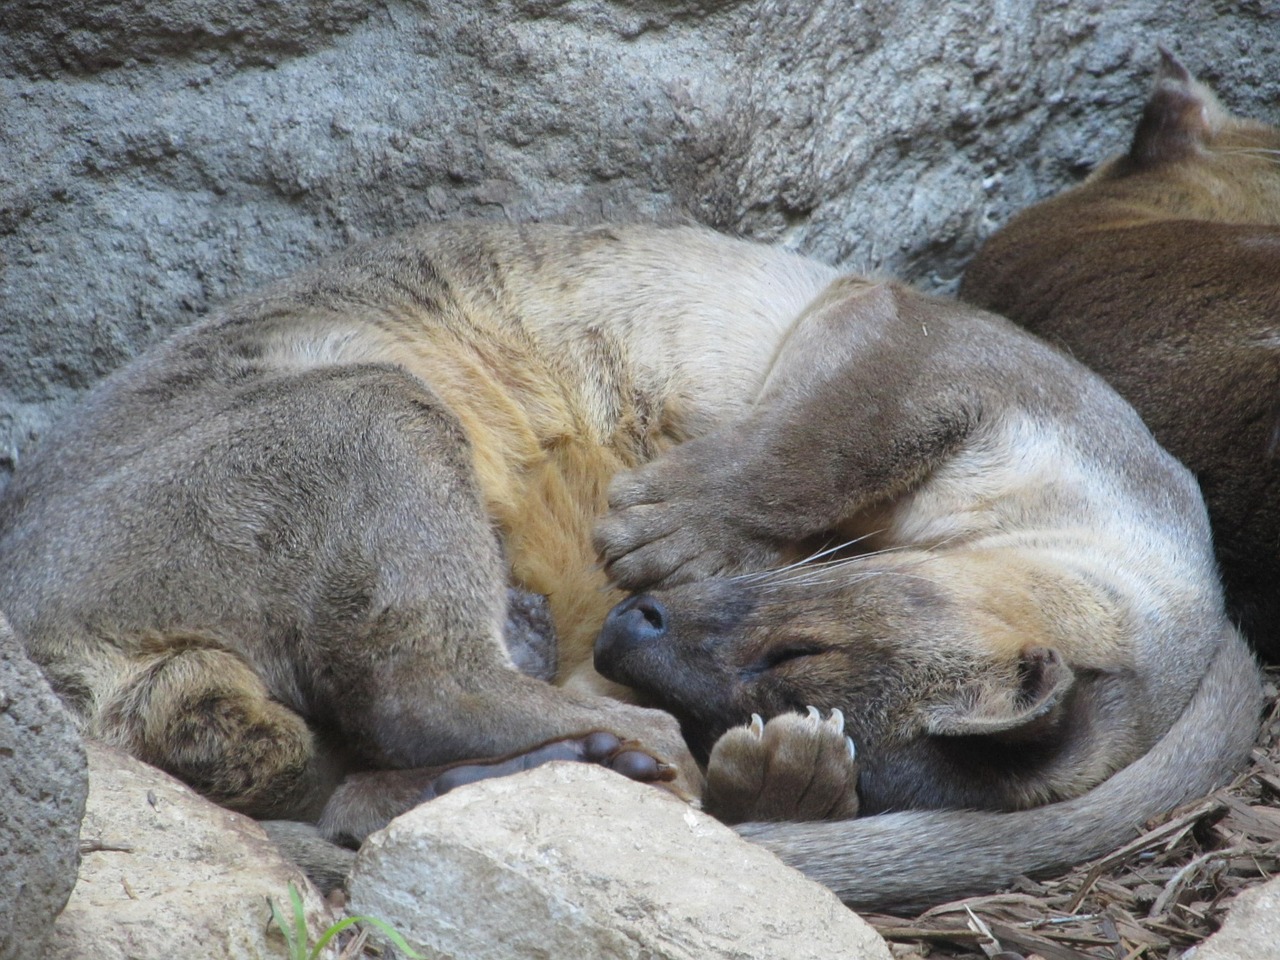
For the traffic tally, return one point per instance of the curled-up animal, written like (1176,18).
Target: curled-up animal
(282,549)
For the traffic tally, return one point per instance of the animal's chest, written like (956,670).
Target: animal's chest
(547,433)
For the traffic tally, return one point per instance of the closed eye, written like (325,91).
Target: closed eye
(780,655)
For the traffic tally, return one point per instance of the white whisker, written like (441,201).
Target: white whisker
(799,574)
(812,559)
(813,567)
(836,582)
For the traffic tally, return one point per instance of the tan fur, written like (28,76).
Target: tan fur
(1162,272)
(985,469)
(1025,613)
(548,424)
(276,549)
(536,398)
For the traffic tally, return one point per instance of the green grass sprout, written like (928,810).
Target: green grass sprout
(296,935)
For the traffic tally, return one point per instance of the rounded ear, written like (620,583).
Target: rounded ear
(1180,115)
(1029,707)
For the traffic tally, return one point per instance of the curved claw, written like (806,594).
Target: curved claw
(815,714)
(756,726)
(853,750)
(836,720)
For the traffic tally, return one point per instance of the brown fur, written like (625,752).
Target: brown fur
(1162,272)
(277,549)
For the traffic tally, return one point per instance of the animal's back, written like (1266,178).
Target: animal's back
(1162,272)
(566,354)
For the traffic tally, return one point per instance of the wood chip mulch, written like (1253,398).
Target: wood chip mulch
(1153,899)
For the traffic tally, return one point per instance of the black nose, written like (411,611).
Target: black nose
(632,624)
(642,616)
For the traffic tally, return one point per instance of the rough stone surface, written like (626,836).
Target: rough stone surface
(167,874)
(571,861)
(43,783)
(1252,930)
(158,155)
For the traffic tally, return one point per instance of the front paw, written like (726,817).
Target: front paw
(670,523)
(795,767)
(627,757)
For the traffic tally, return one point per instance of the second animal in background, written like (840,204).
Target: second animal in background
(1162,272)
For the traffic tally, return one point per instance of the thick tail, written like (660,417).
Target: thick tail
(904,860)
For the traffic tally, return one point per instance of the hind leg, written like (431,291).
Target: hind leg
(409,700)
(201,714)
(402,657)
(326,529)
(424,679)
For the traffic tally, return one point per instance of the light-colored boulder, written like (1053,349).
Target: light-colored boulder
(1252,928)
(156,157)
(573,861)
(43,783)
(167,874)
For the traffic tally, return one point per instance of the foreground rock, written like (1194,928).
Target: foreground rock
(43,783)
(1252,930)
(166,874)
(571,861)
(156,157)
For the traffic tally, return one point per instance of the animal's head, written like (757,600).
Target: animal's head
(939,715)
(1213,165)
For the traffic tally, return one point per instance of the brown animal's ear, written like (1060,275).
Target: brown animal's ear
(1026,708)
(1179,117)
(1171,68)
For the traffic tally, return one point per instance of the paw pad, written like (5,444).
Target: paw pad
(793,767)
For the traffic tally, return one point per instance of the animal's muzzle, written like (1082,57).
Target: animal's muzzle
(632,626)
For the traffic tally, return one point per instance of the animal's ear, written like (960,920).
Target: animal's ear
(1180,115)
(1027,706)
(819,346)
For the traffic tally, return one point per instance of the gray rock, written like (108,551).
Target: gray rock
(167,874)
(156,157)
(43,783)
(573,861)
(1252,928)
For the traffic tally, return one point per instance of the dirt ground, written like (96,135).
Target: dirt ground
(1152,899)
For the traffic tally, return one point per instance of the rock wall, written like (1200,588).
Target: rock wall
(159,155)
